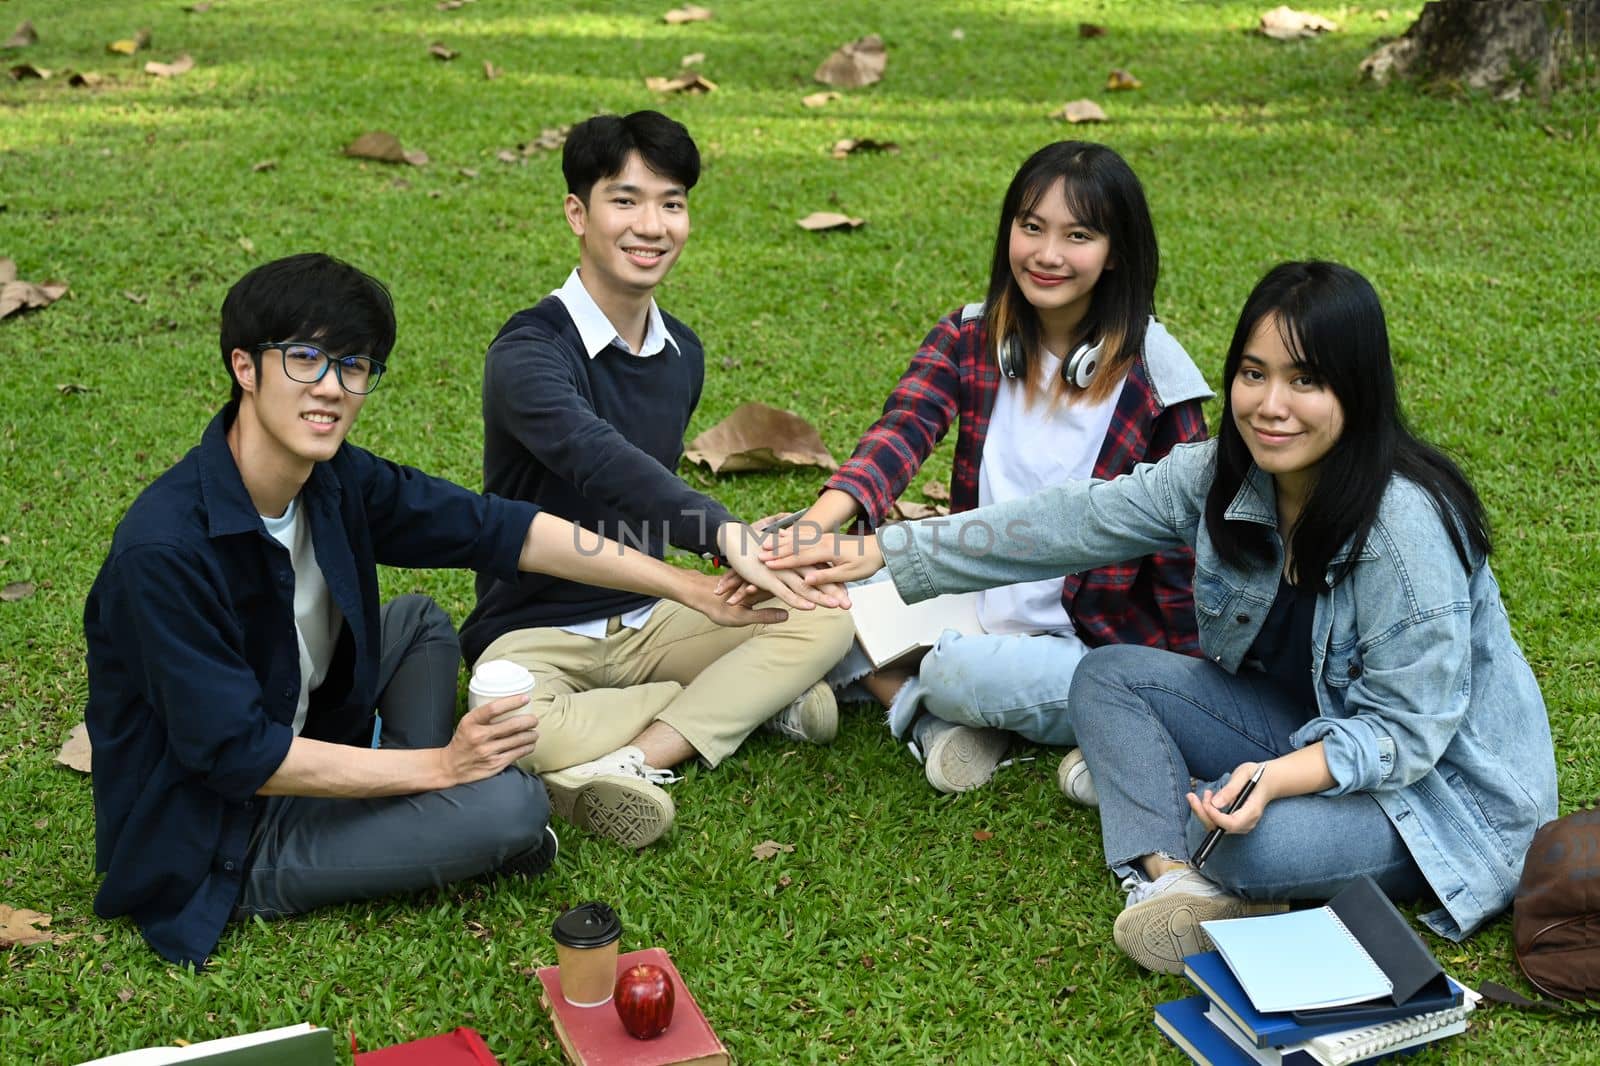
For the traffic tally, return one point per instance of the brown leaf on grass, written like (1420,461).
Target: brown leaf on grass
(911,510)
(84,79)
(506,155)
(17,590)
(385,148)
(134,297)
(8,268)
(442,51)
(758,437)
(936,491)
(22,36)
(980,835)
(818,99)
(1283,23)
(19,927)
(24,71)
(850,145)
(824,220)
(768,848)
(687,82)
(75,750)
(1381,15)
(125,995)
(550,139)
(1119,80)
(264,165)
(197,9)
(72,388)
(490,71)
(861,62)
(1087,30)
(450,5)
(129,45)
(687,13)
(693,59)
(17,295)
(1076,111)
(182,65)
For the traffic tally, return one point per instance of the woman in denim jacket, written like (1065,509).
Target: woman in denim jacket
(1354,637)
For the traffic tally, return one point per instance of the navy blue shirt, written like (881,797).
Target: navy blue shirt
(194,669)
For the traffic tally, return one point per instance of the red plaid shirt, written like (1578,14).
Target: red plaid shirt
(954,375)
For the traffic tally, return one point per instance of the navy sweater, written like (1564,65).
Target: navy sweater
(595,441)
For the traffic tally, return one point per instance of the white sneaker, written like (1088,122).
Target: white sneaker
(812,717)
(617,796)
(959,758)
(1073,777)
(1160,923)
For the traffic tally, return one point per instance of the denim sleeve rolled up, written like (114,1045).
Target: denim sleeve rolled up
(1424,700)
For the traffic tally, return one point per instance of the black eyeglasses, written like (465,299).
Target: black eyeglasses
(308,364)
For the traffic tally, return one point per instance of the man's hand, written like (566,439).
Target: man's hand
(482,747)
(703,593)
(741,547)
(830,559)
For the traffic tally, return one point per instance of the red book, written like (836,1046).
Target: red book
(463,1047)
(594,1036)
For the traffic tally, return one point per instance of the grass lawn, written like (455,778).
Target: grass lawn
(891,932)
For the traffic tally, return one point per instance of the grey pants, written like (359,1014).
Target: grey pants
(309,851)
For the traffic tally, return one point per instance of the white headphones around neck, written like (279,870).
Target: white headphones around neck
(1078,369)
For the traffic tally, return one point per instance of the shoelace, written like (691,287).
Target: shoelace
(635,765)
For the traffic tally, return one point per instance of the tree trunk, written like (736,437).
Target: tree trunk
(1501,46)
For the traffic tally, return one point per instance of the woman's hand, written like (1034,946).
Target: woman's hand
(834,558)
(1211,807)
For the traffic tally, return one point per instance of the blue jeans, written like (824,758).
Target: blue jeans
(310,851)
(1154,725)
(1008,681)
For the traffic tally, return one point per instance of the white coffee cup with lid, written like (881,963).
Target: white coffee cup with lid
(497,679)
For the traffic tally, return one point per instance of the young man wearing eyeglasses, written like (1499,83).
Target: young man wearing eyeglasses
(586,397)
(237,649)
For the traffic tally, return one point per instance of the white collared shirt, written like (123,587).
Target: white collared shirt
(597,331)
(598,334)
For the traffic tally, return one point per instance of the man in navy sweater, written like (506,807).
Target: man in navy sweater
(586,397)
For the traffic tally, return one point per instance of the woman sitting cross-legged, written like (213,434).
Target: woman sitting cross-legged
(1354,637)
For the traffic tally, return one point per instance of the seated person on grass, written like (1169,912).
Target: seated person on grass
(586,397)
(236,647)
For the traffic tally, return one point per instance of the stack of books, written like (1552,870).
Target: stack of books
(1329,986)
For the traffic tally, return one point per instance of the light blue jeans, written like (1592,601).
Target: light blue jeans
(1154,725)
(1012,681)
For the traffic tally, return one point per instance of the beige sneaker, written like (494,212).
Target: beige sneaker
(1160,923)
(616,796)
(1073,777)
(812,717)
(959,758)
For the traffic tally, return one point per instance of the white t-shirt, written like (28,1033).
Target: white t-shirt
(1029,448)
(317,620)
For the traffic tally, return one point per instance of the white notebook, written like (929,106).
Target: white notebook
(890,629)
(1298,960)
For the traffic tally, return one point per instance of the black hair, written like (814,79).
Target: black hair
(1104,194)
(1332,323)
(598,147)
(307,297)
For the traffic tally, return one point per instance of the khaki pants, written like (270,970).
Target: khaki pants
(711,683)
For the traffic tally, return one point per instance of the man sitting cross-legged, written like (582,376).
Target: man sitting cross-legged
(236,647)
(586,397)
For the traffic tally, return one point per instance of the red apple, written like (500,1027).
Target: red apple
(644,1000)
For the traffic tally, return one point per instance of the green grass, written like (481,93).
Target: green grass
(898,936)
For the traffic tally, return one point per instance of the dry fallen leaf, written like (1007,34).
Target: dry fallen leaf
(861,62)
(20,927)
(17,590)
(22,37)
(768,848)
(182,65)
(936,491)
(1381,15)
(550,139)
(693,59)
(506,155)
(198,9)
(385,148)
(450,5)
(129,45)
(1283,23)
(818,99)
(912,511)
(72,388)
(687,82)
(980,835)
(1089,29)
(134,297)
(821,220)
(1120,79)
(84,79)
(75,751)
(17,295)
(958,34)
(24,71)
(440,51)
(687,13)
(265,164)
(1080,111)
(490,71)
(849,145)
(758,437)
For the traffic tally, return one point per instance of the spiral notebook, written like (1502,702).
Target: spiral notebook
(1350,1045)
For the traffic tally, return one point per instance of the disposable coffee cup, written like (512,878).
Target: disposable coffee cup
(586,953)
(496,679)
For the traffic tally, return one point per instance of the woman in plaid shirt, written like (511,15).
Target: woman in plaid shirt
(1074,274)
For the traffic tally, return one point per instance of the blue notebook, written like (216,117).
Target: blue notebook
(1184,1023)
(1209,973)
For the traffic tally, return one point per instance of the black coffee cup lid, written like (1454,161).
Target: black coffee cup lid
(588,925)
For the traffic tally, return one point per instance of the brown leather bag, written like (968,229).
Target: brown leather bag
(1555,919)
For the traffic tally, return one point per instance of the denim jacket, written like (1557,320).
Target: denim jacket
(1424,699)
